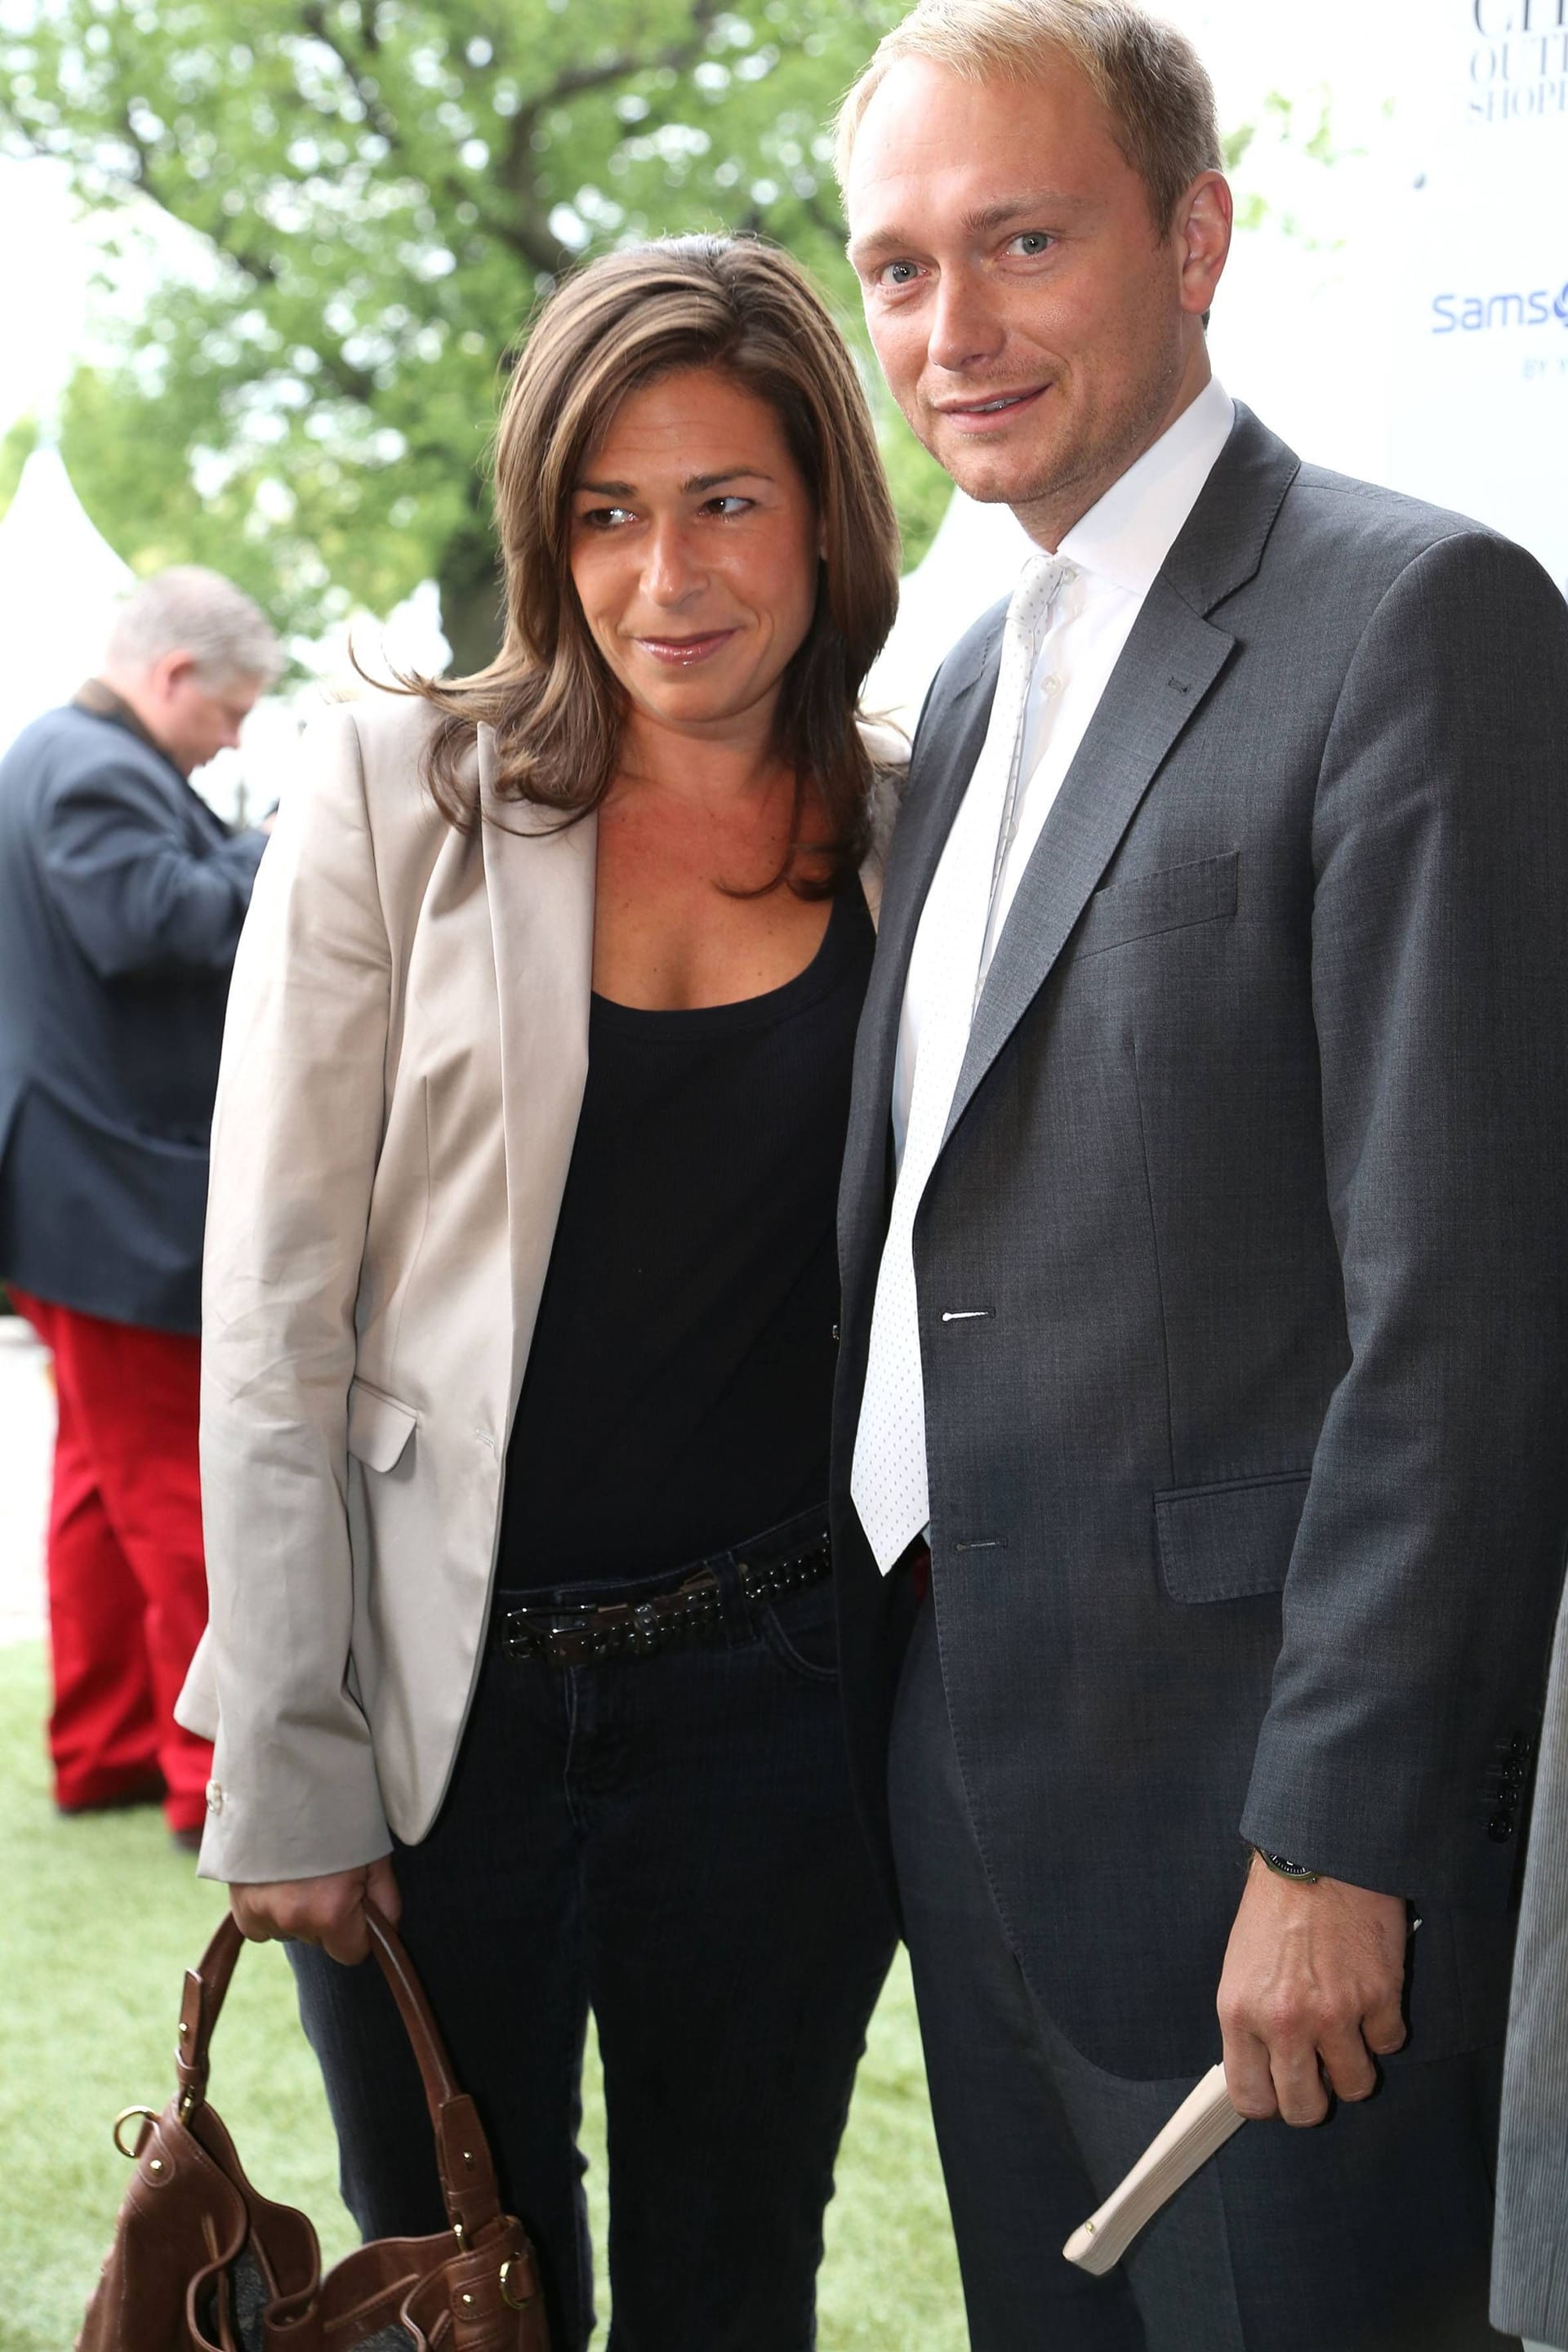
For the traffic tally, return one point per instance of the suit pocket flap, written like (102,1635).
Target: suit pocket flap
(1231,1540)
(379,1427)
(1204,892)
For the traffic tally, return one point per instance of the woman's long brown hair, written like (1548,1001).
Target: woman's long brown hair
(556,710)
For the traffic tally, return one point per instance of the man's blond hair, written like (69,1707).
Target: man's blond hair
(1147,74)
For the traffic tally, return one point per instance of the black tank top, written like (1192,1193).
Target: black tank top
(679,1382)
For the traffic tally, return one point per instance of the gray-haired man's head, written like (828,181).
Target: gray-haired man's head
(190,653)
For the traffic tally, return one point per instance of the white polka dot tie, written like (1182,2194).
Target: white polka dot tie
(888,1480)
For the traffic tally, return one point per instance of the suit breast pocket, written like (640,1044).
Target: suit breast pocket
(1173,899)
(1230,1541)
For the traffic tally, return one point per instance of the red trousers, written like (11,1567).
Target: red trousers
(126,1579)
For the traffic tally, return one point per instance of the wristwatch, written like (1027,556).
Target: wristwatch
(1283,1869)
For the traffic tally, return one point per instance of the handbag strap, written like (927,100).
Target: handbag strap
(462,2152)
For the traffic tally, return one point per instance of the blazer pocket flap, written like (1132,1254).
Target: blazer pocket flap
(379,1427)
(1229,1541)
(1178,896)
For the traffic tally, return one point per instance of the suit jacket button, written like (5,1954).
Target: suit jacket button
(1500,1829)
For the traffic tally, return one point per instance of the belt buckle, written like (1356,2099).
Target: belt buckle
(562,1623)
(532,1626)
(569,1625)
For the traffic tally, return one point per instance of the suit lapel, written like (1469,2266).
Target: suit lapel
(1171,661)
(1169,665)
(946,749)
(539,885)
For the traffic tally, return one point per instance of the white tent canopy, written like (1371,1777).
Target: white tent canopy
(59,583)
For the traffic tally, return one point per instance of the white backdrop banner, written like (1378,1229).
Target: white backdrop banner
(1403,314)
(1479,385)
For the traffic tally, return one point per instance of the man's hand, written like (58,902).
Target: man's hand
(1311,1994)
(329,1911)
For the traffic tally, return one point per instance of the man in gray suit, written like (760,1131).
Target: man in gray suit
(1202,1237)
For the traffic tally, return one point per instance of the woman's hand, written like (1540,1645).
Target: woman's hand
(329,1911)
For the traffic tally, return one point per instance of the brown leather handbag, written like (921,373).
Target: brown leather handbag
(201,2263)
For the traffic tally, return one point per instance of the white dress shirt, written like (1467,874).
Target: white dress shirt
(1116,552)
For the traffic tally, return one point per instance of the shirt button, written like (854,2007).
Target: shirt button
(1049,685)
(214,1797)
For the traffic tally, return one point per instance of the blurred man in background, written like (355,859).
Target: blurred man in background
(122,898)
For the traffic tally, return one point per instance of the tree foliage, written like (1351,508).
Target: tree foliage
(16,447)
(382,189)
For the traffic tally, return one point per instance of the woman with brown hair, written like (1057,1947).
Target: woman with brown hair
(521,1296)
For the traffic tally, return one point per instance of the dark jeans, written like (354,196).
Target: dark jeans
(669,1841)
(1369,2235)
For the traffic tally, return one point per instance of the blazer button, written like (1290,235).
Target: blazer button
(214,1797)
(1500,1829)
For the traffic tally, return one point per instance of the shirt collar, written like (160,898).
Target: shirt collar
(1126,536)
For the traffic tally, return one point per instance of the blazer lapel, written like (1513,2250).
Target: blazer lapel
(539,885)
(1171,661)
(946,749)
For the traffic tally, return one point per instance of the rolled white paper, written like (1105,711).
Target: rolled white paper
(1199,2128)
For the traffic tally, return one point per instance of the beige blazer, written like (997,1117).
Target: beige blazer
(402,1068)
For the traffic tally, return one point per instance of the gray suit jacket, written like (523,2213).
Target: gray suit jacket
(1249,1484)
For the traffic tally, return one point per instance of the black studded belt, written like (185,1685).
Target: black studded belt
(691,1611)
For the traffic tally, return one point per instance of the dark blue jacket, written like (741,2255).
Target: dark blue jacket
(121,897)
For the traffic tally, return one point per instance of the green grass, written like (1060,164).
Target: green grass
(98,1918)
